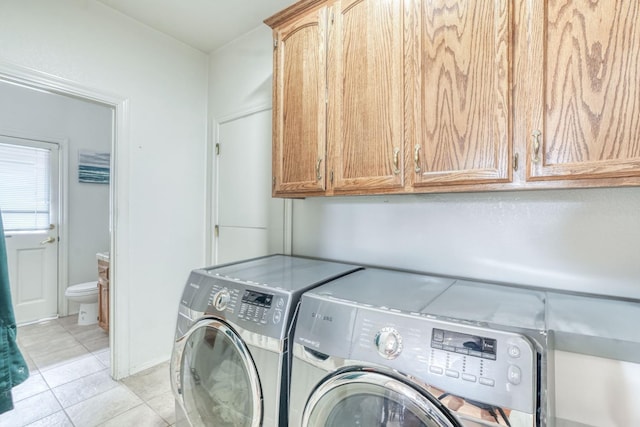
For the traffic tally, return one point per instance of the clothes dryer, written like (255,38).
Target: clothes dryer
(389,349)
(231,360)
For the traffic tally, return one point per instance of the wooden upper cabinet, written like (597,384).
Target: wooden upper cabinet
(393,96)
(366,93)
(299,103)
(463,101)
(586,90)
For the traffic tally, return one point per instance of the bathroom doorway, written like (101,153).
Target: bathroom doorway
(70,211)
(116,112)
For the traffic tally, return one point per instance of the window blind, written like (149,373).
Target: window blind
(25,178)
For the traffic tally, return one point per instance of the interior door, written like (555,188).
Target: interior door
(249,221)
(29,193)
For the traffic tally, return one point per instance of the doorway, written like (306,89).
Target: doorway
(118,122)
(84,137)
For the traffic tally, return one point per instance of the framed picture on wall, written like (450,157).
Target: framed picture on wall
(93,167)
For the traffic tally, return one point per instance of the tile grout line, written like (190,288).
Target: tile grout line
(62,408)
(45,416)
(146,401)
(50,389)
(92,353)
(65,332)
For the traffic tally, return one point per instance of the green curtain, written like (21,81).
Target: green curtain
(13,369)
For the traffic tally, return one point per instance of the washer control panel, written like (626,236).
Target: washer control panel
(389,343)
(248,307)
(486,365)
(457,342)
(222,299)
(255,306)
(475,359)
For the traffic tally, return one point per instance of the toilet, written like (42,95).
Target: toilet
(85,294)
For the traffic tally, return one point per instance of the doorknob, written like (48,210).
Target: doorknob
(49,240)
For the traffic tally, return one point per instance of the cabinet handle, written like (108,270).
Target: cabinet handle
(396,152)
(416,157)
(536,145)
(318,176)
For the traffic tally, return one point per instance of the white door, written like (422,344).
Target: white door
(29,192)
(249,222)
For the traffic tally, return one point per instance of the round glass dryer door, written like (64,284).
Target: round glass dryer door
(219,381)
(358,398)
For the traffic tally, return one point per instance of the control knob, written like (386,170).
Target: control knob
(388,342)
(221,300)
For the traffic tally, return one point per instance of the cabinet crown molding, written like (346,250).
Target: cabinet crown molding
(299,8)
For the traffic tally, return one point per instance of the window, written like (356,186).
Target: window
(25,178)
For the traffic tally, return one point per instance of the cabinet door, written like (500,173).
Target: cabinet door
(299,128)
(463,102)
(103,304)
(586,90)
(366,86)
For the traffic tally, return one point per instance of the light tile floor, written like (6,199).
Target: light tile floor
(70,385)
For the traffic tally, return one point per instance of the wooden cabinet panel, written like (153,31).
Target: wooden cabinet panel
(586,90)
(366,87)
(103,294)
(103,304)
(463,102)
(299,128)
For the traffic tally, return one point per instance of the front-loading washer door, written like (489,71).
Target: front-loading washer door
(218,383)
(369,398)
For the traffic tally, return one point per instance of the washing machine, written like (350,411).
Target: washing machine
(388,348)
(231,360)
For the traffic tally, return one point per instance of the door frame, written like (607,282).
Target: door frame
(63,206)
(118,196)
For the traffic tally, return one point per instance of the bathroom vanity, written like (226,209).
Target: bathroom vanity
(103,290)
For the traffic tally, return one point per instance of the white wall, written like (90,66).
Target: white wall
(580,240)
(240,74)
(160,173)
(595,391)
(81,125)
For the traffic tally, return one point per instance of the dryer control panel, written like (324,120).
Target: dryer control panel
(255,306)
(485,365)
(243,305)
